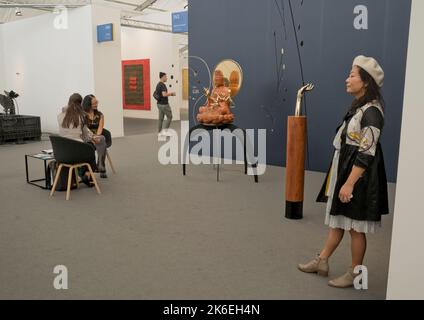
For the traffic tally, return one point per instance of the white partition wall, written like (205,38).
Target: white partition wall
(107,68)
(45,65)
(162,48)
(2,71)
(406,276)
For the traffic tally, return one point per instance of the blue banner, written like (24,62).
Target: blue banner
(105,32)
(180,22)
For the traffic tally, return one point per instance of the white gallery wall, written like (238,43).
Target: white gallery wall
(406,276)
(107,68)
(162,48)
(46,65)
(2,71)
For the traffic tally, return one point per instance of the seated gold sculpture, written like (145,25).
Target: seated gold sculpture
(227,80)
(217,110)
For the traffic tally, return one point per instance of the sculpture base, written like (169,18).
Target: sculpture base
(18,128)
(215,124)
(294,210)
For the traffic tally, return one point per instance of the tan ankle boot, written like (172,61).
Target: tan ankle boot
(318,265)
(344,281)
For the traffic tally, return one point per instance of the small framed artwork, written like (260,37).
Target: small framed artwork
(136,84)
(185,84)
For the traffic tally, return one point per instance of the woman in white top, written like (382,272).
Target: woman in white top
(72,126)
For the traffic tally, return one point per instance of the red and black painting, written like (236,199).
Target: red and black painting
(136,84)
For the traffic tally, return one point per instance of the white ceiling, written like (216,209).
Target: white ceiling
(127,6)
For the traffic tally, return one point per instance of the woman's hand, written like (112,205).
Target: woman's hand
(96,139)
(345,194)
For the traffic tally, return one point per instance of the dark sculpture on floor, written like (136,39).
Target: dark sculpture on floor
(6,100)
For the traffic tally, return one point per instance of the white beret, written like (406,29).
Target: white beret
(371,66)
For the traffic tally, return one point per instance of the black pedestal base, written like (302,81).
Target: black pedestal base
(232,128)
(294,210)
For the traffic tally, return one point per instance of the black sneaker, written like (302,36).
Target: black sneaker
(87,181)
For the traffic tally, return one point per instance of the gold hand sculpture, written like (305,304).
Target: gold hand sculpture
(300,93)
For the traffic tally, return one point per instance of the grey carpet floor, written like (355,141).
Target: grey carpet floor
(154,234)
(134,126)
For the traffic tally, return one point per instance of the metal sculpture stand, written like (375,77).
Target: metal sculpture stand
(230,127)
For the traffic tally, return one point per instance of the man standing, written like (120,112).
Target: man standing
(161,95)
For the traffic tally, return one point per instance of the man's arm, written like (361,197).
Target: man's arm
(166,94)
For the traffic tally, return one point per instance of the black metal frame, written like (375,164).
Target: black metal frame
(231,127)
(47,182)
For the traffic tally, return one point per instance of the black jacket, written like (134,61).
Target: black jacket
(360,146)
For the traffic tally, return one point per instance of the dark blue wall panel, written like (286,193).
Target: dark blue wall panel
(319,42)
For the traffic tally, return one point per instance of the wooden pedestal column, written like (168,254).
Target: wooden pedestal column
(295,166)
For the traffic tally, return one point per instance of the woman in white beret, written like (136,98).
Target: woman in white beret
(355,188)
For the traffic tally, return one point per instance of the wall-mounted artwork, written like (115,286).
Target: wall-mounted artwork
(185,84)
(136,84)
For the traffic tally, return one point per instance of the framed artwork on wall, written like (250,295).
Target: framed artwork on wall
(136,84)
(185,84)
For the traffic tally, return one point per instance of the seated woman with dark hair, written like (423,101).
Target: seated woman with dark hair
(95,119)
(71,125)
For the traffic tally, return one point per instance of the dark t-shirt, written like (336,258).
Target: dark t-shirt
(93,124)
(161,87)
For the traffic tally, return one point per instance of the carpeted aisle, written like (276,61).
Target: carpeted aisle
(154,234)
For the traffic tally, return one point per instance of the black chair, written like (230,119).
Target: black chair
(73,155)
(108,137)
